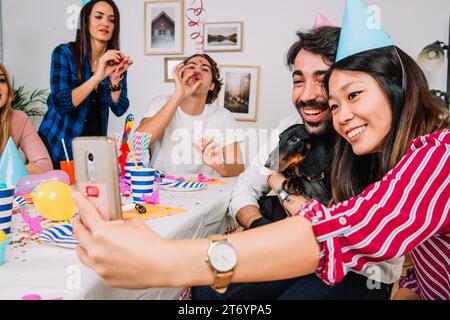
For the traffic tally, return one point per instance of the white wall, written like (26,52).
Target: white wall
(32,28)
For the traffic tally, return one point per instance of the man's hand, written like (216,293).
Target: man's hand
(247,215)
(210,152)
(275,180)
(182,90)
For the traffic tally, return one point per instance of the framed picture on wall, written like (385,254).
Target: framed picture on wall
(223,36)
(169,64)
(164,27)
(240,91)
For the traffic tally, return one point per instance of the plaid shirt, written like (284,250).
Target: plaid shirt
(63,119)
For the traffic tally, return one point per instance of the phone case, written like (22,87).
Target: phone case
(96,174)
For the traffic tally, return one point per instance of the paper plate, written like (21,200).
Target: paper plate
(165,182)
(19,202)
(61,235)
(184,186)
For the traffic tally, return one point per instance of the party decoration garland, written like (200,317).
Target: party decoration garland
(196,16)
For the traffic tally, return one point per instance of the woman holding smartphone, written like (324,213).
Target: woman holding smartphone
(390,183)
(88,78)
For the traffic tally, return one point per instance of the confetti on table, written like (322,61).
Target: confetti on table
(153,212)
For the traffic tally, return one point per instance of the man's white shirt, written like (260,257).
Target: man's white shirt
(252,183)
(173,153)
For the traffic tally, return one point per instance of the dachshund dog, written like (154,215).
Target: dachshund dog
(305,161)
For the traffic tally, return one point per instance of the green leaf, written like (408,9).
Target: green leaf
(26,100)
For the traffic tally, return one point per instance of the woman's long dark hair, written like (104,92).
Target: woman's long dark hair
(83,39)
(415,112)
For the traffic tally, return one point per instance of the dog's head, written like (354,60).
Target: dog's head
(292,149)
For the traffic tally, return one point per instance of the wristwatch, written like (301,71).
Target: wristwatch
(283,195)
(222,259)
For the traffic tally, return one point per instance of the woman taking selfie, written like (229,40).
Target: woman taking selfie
(88,78)
(391,186)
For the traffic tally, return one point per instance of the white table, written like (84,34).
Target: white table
(54,272)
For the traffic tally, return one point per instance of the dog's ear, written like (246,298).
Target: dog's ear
(318,159)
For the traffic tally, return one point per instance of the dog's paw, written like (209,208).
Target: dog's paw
(292,186)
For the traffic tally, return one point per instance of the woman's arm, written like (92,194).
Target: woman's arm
(380,224)
(80,93)
(119,252)
(31,144)
(390,218)
(105,69)
(65,94)
(118,101)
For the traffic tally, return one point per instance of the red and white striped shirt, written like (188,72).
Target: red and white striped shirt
(406,211)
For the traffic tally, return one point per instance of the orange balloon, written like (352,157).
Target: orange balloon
(54,201)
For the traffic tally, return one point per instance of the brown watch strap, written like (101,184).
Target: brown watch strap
(221,279)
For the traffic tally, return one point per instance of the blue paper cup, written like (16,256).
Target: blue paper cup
(142,183)
(3,246)
(129,166)
(6,205)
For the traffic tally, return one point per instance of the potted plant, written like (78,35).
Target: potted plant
(26,100)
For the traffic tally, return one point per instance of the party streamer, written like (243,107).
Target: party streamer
(196,16)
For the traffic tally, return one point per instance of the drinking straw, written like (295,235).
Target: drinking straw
(65,151)
(137,145)
(132,154)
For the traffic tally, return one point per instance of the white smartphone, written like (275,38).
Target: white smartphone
(97,175)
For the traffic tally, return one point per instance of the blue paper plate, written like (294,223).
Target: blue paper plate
(184,186)
(60,235)
(19,202)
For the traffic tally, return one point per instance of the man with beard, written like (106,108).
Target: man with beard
(309,58)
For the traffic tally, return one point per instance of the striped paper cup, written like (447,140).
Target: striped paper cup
(6,206)
(129,166)
(142,183)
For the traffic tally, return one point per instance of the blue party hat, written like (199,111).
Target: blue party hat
(360,31)
(85,2)
(11,165)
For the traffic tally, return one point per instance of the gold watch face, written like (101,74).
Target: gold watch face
(223,256)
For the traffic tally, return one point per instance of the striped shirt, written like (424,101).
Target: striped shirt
(406,211)
(65,121)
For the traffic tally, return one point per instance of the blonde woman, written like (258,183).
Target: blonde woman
(16,124)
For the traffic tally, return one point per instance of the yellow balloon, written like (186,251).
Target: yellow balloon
(54,201)
(3,236)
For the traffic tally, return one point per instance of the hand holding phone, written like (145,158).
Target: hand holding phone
(96,172)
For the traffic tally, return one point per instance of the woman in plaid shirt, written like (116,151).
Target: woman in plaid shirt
(88,77)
